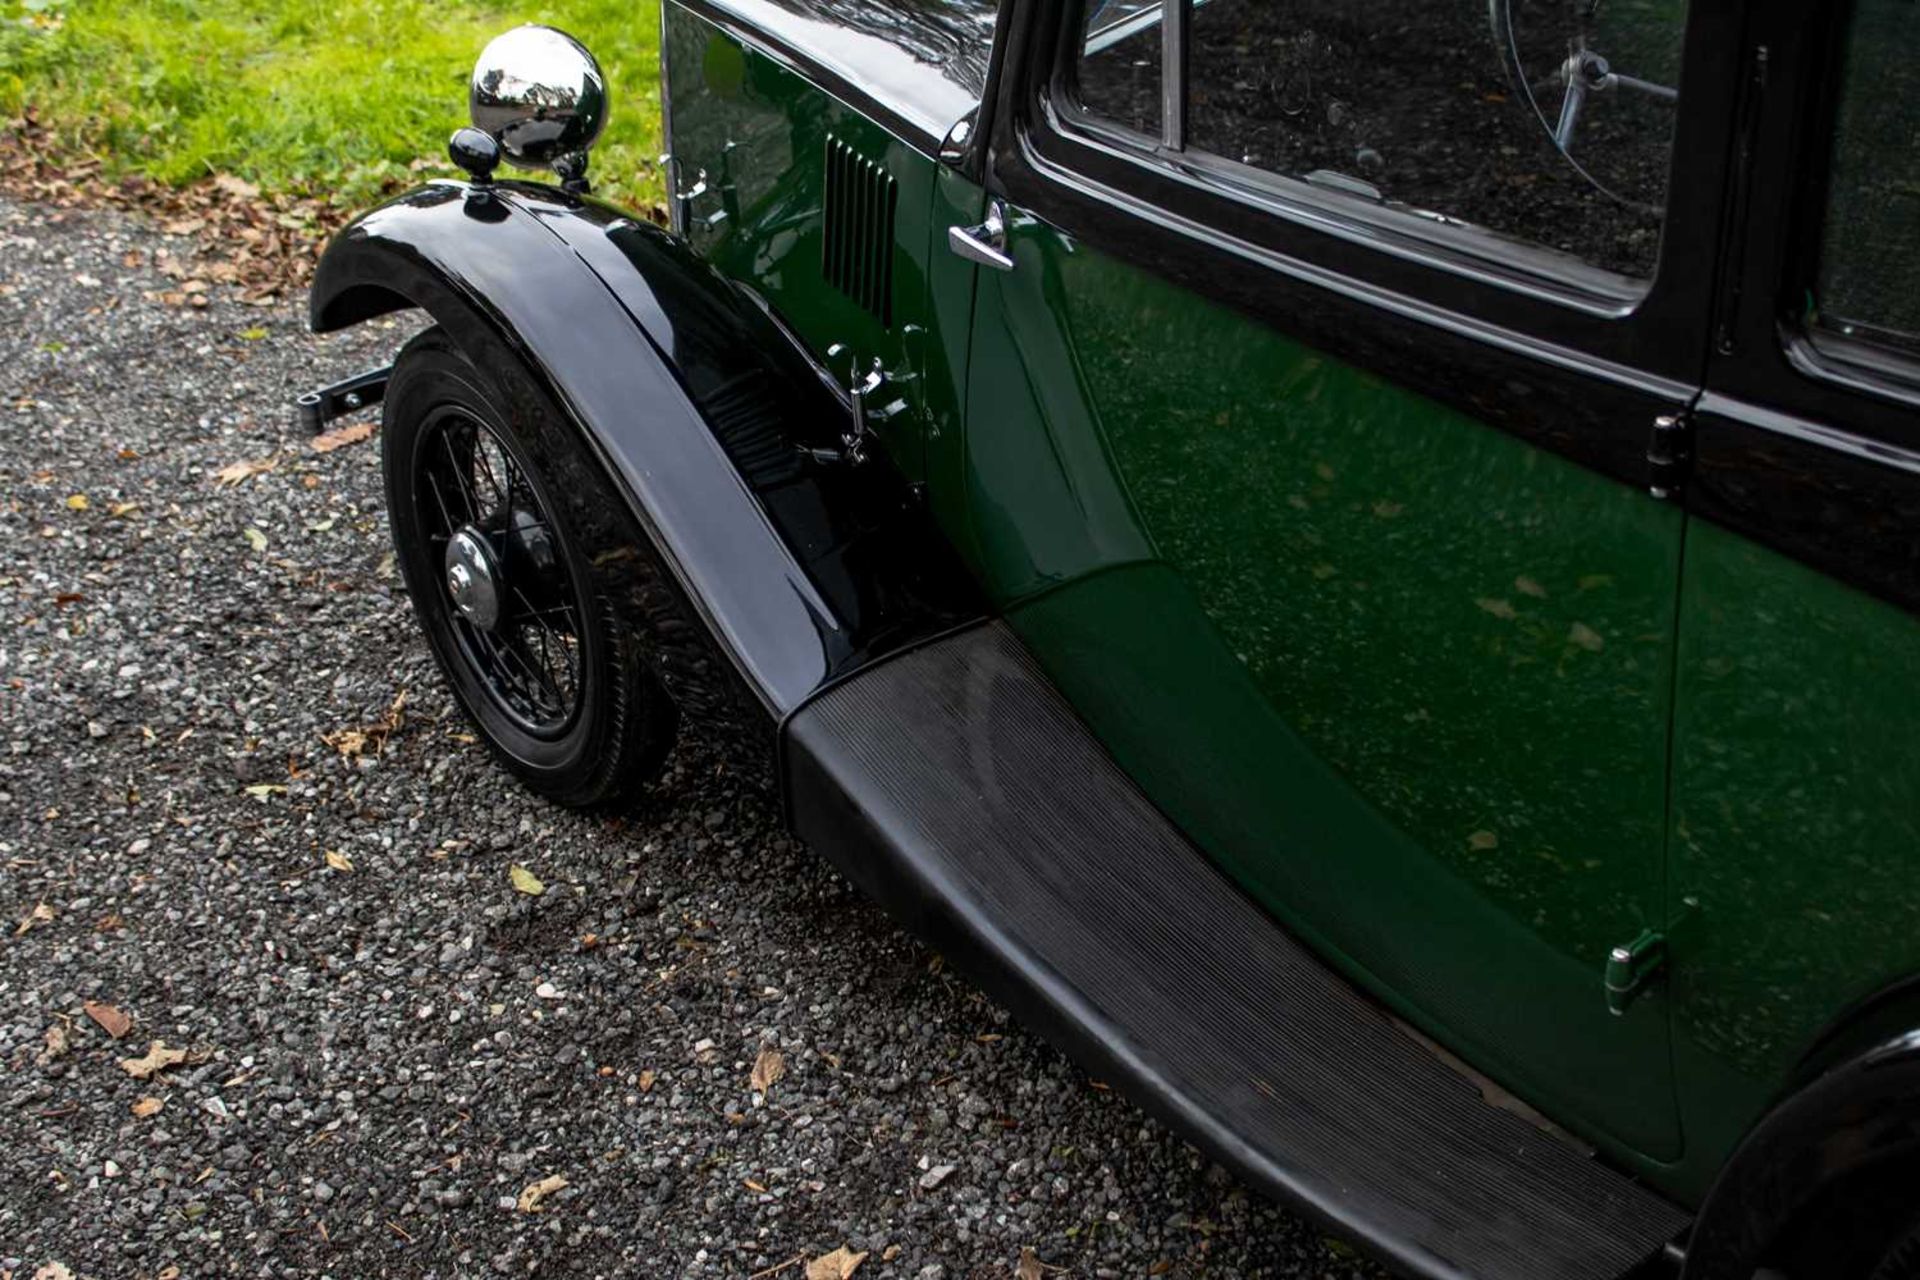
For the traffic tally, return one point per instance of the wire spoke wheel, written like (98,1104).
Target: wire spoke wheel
(522,572)
(515,615)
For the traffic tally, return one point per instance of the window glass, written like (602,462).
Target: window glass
(1549,121)
(1121,61)
(1869,279)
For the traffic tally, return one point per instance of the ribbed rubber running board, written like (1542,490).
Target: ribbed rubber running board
(954,784)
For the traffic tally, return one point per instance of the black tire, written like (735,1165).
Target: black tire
(1864,1227)
(557,683)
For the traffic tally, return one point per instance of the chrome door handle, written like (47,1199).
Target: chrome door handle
(985,244)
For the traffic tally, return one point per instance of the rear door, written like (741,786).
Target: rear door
(1307,446)
(1797,772)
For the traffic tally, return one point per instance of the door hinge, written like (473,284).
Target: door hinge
(1670,455)
(1631,966)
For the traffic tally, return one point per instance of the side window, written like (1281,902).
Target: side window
(1868,282)
(1544,121)
(1121,61)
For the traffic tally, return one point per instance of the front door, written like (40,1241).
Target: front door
(1306,445)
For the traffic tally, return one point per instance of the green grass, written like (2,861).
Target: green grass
(334,98)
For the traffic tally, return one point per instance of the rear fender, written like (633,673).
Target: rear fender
(1861,1117)
(693,398)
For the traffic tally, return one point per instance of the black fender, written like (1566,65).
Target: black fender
(692,396)
(1859,1116)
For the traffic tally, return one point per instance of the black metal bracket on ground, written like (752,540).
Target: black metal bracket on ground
(314,410)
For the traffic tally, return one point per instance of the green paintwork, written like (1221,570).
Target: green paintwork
(1795,820)
(759,133)
(1403,676)
(1410,680)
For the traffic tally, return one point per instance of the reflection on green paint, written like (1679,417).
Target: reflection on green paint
(1454,650)
(1795,820)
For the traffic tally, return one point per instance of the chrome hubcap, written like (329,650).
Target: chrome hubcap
(473,579)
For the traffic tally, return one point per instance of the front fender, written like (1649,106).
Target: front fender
(691,396)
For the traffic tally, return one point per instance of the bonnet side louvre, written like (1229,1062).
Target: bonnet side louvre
(857,243)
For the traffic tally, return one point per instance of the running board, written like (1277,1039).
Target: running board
(955,785)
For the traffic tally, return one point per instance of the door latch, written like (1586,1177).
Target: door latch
(861,386)
(985,244)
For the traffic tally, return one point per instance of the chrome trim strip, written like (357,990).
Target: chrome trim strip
(1173,74)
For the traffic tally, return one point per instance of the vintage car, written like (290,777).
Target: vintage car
(1354,564)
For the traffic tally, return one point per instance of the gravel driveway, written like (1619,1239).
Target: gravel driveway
(386,1043)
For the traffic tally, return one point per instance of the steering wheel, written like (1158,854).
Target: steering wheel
(1583,74)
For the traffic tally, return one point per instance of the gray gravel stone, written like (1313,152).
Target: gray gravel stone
(382,1059)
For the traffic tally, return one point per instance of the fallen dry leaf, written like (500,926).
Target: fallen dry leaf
(838,1265)
(340,436)
(236,186)
(357,741)
(524,881)
(535,1192)
(157,1058)
(768,1066)
(111,1020)
(42,914)
(646,1081)
(78,502)
(339,861)
(1029,1268)
(56,1041)
(234,472)
(146,1107)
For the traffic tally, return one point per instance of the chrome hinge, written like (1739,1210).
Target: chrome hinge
(1630,967)
(1669,455)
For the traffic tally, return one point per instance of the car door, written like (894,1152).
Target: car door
(1796,817)
(1307,436)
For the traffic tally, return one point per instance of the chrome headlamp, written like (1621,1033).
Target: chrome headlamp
(539,93)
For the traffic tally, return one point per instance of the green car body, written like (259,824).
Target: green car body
(1518,606)
(1461,711)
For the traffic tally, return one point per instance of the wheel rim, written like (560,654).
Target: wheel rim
(514,613)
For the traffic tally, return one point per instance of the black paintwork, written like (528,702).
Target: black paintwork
(1805,444)
(1535,346)
(315,409)
(916,66)
(955,785)
(696,400)
(1860,1116)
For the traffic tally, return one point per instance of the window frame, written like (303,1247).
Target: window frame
(1859,361)
(1766,354)
(1418,234)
